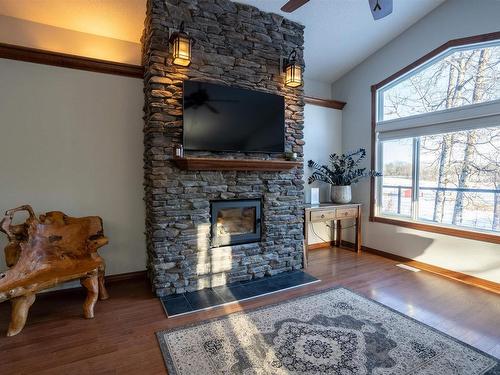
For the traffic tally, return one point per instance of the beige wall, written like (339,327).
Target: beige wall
(36,35)
(453,19)
(323,136)
(72,140)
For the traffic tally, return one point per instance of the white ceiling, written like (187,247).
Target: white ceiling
(339,34)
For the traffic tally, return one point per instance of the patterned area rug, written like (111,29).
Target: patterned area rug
(332,332)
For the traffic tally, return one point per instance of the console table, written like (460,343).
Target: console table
(329,212)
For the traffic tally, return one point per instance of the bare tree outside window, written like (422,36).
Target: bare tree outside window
(461,78)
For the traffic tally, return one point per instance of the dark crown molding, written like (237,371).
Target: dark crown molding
(335,104)
(38,56)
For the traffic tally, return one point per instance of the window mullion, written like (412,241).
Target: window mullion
(378,181)
(415,178)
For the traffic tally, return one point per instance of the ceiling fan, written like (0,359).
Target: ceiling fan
(379,8)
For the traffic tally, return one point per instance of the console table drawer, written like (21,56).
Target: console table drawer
(322,215)
(344,213)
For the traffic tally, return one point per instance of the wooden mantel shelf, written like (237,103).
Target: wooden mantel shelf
(216,164)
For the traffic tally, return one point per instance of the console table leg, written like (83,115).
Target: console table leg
(338,235)
(358,232)
(306,241)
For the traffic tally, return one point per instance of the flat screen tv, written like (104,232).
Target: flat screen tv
(223,118)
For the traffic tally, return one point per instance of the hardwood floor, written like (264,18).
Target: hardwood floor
(121,339)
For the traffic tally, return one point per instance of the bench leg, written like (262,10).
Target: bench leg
(90,282)
(103,293)
(20,308)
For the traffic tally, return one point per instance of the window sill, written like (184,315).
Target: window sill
(455,232)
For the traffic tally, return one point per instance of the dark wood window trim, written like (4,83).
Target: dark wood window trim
(441,229)
(452,43)
(38,56)
(328,103)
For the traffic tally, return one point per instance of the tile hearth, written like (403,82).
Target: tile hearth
(212,297)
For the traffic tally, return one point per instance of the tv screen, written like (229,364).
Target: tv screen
(222,118)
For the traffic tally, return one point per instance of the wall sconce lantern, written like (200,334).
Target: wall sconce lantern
(181,46)
(293,71)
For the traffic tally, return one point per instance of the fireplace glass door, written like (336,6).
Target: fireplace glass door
(235,221)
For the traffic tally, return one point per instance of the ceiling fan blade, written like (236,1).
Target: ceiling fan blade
(380,8)
(291,5)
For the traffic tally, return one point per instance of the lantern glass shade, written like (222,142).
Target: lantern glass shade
(293,75)
(181,49)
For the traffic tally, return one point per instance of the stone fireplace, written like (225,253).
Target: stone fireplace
(236,45)
(235,222)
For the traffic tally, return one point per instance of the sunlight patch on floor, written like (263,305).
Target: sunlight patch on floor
(406,267)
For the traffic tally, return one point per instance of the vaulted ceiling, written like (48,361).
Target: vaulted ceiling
(339,34)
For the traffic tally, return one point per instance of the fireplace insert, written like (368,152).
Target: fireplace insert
(235,221)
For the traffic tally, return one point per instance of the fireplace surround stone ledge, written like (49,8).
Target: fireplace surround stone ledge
(237,45)
(223,164)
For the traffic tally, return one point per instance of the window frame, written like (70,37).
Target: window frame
(411,223)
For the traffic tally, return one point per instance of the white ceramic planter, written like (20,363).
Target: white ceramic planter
(341,194)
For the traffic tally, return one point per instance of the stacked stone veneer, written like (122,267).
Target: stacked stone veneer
(236,45)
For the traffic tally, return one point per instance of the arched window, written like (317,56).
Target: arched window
(437,140)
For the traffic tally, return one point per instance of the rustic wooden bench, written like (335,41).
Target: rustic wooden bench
(46,251)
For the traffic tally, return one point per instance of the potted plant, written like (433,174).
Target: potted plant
(343,172)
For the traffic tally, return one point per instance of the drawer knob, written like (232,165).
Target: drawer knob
(322,216)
